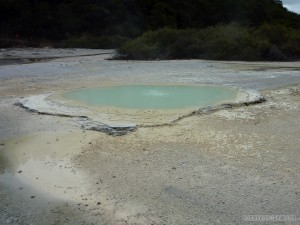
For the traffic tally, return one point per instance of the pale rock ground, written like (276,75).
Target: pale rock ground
(204,169)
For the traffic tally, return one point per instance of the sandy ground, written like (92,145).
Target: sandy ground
(204,169)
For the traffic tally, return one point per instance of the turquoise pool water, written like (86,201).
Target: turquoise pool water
(152,96)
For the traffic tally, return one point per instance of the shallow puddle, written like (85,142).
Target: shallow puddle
(43,163)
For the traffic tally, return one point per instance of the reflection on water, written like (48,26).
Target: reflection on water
(43,164)
(49,176)
(155,93)
(4,165)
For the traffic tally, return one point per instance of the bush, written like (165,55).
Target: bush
(161,44)
(222,42)
(138,49)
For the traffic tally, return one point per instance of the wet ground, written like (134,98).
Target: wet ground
(204,169)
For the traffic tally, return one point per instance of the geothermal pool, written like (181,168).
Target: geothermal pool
(152,96)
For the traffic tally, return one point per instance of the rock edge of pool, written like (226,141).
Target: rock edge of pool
(120,121)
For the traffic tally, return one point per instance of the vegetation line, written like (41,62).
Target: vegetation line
(233,41)
(157,29)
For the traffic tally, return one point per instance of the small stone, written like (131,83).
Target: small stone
(32,196)
(98,203)
(20,171)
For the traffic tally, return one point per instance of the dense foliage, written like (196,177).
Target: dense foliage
(226,29)
(222,42)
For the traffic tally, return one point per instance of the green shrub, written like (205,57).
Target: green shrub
(138,49)
(222,42)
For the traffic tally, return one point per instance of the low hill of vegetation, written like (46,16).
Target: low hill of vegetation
(223,42)
(157,29)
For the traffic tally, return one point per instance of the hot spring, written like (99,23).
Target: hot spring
(153,96)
